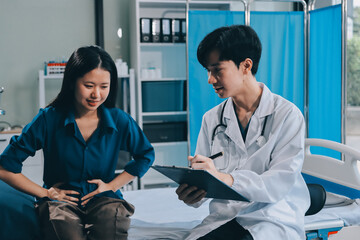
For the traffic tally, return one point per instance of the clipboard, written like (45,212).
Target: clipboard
(201,179)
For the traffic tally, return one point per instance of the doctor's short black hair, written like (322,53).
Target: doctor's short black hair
(235,43)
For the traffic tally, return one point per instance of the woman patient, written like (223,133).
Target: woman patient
(81,134)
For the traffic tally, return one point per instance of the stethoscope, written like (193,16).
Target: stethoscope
(261,140)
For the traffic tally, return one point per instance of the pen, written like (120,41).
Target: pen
(216,155)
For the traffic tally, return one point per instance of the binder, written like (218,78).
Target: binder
(156,29)
(145,30)
(176,30)
(183,30)
(202,180)
(166,33)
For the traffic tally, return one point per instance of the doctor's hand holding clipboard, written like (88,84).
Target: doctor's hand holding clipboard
(191,194)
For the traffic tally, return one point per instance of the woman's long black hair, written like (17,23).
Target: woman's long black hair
(82,61)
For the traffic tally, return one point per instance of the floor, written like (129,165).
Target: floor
(348,233)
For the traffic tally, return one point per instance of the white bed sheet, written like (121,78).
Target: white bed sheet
(160,215)
(350,214)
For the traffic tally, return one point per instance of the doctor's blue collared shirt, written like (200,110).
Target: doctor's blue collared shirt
(69,160)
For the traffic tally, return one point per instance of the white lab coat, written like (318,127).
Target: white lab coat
(270,176)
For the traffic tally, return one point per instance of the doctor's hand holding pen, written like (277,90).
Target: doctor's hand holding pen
(191,194)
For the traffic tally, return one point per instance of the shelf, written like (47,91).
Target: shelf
(162,3)
(169,58)
(162,44)
(162,79)
(54,76)
(156,117)
(169,144)
(167,130)
(209,4)
(164,113)
(60,76)
(216,4)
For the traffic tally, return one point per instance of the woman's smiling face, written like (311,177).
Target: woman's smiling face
(92,90)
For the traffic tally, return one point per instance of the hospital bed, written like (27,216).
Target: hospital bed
(160,215)
(341,180)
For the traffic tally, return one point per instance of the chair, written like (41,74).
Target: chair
(317,202)
(317,198)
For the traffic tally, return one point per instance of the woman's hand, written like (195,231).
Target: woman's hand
(102,187)
(58,194)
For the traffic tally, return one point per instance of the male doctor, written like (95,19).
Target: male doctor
(262,137)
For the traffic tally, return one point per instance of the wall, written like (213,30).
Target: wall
(116,15)
(33,32)
(36,31)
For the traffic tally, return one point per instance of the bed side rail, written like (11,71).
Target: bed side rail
(333,170)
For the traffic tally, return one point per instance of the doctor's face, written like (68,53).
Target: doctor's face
(225,76)
(91,90)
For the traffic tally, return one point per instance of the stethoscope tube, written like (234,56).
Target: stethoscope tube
(261,139)
(221,124)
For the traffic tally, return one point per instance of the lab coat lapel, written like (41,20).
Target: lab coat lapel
(265,108)
(233,130)
(254,131)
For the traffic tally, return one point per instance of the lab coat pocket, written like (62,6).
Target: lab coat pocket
(222,163)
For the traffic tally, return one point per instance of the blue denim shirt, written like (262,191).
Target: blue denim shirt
(68,159)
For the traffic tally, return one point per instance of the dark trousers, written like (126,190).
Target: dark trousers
(231,230)
(104,218)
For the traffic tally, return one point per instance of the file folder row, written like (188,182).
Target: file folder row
(163,30)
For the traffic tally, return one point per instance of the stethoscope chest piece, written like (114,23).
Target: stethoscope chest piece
(261,141)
